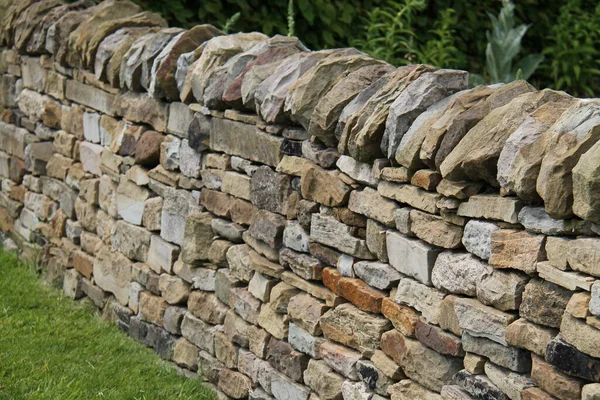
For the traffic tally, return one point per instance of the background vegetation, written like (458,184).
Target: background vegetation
(446,33)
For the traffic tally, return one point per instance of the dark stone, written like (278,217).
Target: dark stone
(17,170)
(478,386)
(161,341)
(284,358)
(199,132)
(368,374)
(147,149)
(544,302)
(127,145)
(572,361)
(138,329)
(270,190)
(291,147)
(437,339)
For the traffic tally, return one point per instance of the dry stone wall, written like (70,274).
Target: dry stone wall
(298,225)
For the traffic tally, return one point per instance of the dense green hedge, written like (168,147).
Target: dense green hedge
(566,32)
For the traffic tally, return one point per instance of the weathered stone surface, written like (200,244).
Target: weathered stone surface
(476,155)
(421,297)
(268,227)
(403,318)
(284,388)
(551,380)
(515,359)
(571,361)
(379,275)
(555,179)
(323,187)
(320,378)
(590,391)
(364,130)
(568,279)
(438,340)
(271,94)
(411,195)
(477,238)
(537,220)
(478,386)
(303,265)
(423,92)
(341,324)
(112,272)
(411,257)
(420,363)
(544,302)
(491,207)
(132,241)
(582,255)
(308,90)
(517,249)
(328,231)
(434,230)
(372,205)
(459,273)
(510,383)
(329,107)
(502,289)
(482,321)
(581,335)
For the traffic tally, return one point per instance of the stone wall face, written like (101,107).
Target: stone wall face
(298,225)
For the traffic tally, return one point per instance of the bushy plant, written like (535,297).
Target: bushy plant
(504,45)
(574,49)
(391,33)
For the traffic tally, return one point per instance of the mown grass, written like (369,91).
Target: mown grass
(54,348)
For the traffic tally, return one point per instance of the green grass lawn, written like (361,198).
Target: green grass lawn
(54,348)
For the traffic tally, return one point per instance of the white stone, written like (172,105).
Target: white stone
(130,201)
(423,298)
(284,388)
(377,274)
(568,279)
(260,287)
(595,301)
(161,255)
(90,155)
(91,127)
(303,341)
(537,220)
(402,220)
(356,391)
(361,172)
(345,265)
(170,153)
(190,161)
(295,237)
(411,257)
(459,273)
(477,238)
(180,117)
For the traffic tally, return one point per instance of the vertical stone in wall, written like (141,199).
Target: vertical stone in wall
(415,99)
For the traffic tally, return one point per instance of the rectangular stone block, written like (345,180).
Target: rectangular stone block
(411,257)
(246,141)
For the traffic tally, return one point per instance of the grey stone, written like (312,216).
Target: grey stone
(411,257)
(477,238)
(459,273)
(379,275)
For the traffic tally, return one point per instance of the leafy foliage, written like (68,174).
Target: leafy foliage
(575,49)
(392,34)
(504,45)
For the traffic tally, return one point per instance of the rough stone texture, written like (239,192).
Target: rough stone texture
(544,303)
(341,323)
(411,257)
(516,249)
(459,273)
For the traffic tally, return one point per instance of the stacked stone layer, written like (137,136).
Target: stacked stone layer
(298,225)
